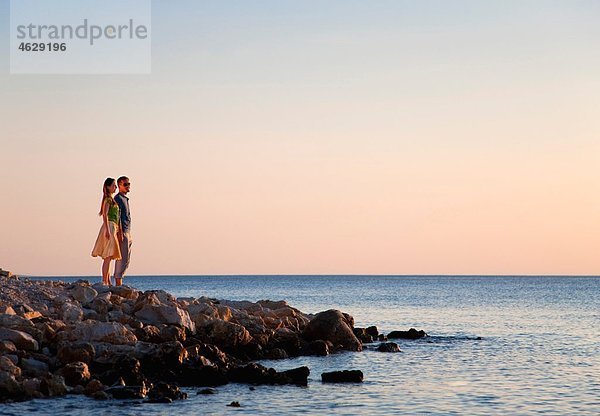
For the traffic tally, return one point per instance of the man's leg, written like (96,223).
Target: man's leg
(121,265)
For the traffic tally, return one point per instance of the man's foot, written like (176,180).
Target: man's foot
(118,281)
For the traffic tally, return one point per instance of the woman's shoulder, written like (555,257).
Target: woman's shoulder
(109,199)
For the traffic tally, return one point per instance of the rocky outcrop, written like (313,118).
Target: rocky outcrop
(118,342)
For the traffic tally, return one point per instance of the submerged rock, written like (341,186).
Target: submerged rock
(345,376)
(412,333)
(388,347)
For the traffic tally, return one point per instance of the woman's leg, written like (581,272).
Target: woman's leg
(105,271)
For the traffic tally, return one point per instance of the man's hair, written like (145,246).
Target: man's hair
(122,179)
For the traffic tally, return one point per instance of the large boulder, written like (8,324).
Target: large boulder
(333,326)
(75,373)
(227,335)
(72,312)
(34,368)
(94,331)
(22,340)
(84,294)
(70,352)
(165,314)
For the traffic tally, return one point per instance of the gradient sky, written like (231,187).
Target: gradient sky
(318,137)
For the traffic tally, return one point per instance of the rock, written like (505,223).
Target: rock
(361,334)
(22,340)
(346,376)
(412,333)
(276,354)
(165,314)
(100,395)
(7,309)
(372,330)
(101,304)
(234,404)
(75,373)
(388,347)
(287,340)
(334,326)
(76,352)
(53,386)
(34,368)
(71,312)
(32,315)
(32,387)
(84,294)
(297,376)
(207,391)
(15,322)
(8,366)
(10,389)
(319,347)
(254,373)
(162,391)
(228,335)
(94,331)
(7,347)
(125,291)
(93,387)
(156,356)
(127,392)
(6,274)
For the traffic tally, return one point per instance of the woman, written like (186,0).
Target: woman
(107,244)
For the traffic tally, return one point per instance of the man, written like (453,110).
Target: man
(125,229)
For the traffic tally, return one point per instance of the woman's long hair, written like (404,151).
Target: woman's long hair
(106,192)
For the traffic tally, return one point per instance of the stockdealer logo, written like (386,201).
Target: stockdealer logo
(80,36)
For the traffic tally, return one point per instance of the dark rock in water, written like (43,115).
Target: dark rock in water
(93,387)
(287,340)
(334,326)
(382,337)
(251,388)
(297,376)
(276,354)
(207,391)
(234,404)
(100,395)
(75,373)
(74,352)
(319,348)
(388,347)
(346,376)
(361,334)
(127,392)
(410,334)
(10,389)
(257,374)
(372,330)
(196,374)
(53,386)
(163,391)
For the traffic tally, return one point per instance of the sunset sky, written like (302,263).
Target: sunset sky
(319,137)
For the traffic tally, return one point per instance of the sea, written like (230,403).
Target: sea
(497,345)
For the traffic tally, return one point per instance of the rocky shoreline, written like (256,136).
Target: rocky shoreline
(61,338)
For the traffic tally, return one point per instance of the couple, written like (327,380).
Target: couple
(114,238)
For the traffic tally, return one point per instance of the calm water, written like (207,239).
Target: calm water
(539,352)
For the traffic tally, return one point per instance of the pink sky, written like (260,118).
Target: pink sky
(342,148)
